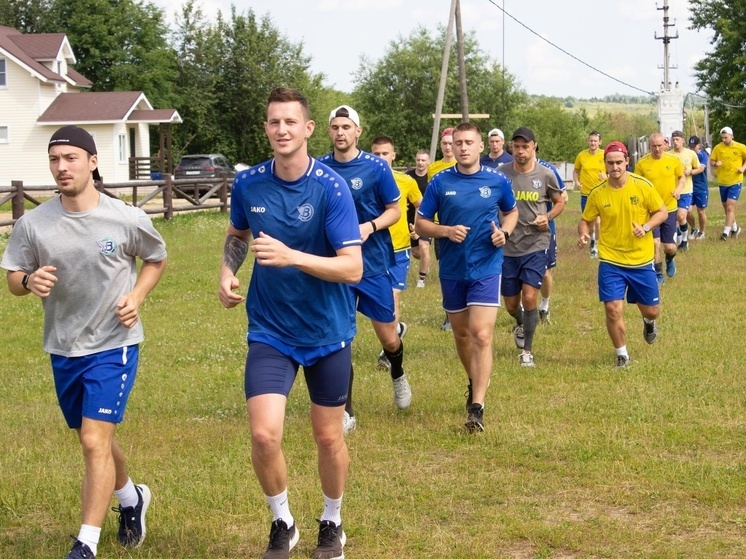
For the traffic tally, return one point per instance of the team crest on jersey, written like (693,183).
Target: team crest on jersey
(485,191)
(536,184)
(356,183)
(319,172)
(634,200)
(107,245)
(305,212)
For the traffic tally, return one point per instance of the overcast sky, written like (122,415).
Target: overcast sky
(617,38)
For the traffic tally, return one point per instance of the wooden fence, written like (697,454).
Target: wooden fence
(202,195)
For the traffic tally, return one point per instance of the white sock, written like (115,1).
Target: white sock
(544,305)
(685,236)
(622,351)
(127,495)
(726,231)
(280,508)
(332,510)
(647,320)
(90,535)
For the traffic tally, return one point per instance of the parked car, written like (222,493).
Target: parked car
(202,166)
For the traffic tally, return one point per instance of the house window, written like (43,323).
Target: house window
(3,74)
(4,135)
(122,148)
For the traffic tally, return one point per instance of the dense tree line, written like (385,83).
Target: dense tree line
(217,74)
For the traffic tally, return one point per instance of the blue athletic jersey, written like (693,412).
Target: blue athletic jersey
(373,187)
(560,182)
(315,215)
(503,158)
(472,201)
(699,182)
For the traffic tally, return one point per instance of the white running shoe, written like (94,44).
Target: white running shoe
(402,392)
(348,423)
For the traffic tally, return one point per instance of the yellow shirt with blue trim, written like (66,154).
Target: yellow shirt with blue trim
(732,156)
(618,209)
(437,166)
(690,161)
(664,173)
(400,230)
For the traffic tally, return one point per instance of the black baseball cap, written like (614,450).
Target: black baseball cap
(677,134)
(77,137)
(693,141)
(525,133)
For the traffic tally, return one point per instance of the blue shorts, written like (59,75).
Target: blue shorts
(732,192)
(666,230)
(459,295)
(373,298)
(685,201)
(583,201)
(528,269)
(398,273)
(269,371)
(552,252)
(639,284)
(95,386)
(700,198)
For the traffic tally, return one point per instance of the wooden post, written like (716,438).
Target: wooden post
(443,76)
(461,63)
(17,204)
(168,199)
(223,193)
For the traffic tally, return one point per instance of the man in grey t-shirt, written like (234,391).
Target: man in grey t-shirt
(77,252)
(525,253)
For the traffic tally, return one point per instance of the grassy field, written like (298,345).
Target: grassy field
(578,460)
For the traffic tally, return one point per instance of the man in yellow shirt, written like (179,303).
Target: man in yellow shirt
(728,159)
(692,167)
(629,207)
(588,172)
(383,147)
(666,173)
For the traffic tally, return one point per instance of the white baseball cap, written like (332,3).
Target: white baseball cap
(345,111)
(726,130)
(496,132)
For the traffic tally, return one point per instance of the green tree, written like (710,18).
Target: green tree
(560,134)
(396,95)
(27,16)
(721,73)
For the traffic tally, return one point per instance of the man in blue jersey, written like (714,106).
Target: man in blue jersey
(297,217)
(376,199)
(700,191)
(534,185)
(497,155)
(467,199)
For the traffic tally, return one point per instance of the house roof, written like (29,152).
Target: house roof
(105,107)
(31,51)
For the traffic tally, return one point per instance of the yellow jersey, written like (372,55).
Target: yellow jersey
(618,208)
(732,156)
(664,173)
(437,166)
(400,230)
(690,161)
(591,169)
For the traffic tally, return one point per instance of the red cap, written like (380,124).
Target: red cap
(616,147)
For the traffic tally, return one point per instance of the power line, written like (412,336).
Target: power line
(567,53)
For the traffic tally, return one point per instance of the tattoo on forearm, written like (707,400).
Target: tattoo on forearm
(234,252)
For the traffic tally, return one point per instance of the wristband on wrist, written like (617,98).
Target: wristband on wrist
(373,224)
(507,235)
(24,282)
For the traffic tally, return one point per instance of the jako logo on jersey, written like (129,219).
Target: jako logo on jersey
(536,184)
(450,193)
(107,411)
(485,191)
(527,196)
(258,209)
(107,245)
(305,212)
(356,183)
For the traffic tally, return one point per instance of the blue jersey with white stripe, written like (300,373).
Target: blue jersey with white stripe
(473,201)
(373,187)
(315,215)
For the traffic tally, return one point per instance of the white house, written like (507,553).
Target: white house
(40,92)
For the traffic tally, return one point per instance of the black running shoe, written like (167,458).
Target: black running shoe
(475,420)
(80,551)
(332,540)
(281,540)
(132,519)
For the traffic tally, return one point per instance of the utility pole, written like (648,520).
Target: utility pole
(670,99)
(443,76)
(461,64)
(666,86)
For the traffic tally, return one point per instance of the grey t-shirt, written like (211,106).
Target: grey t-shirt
(95,256)
(532,191)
